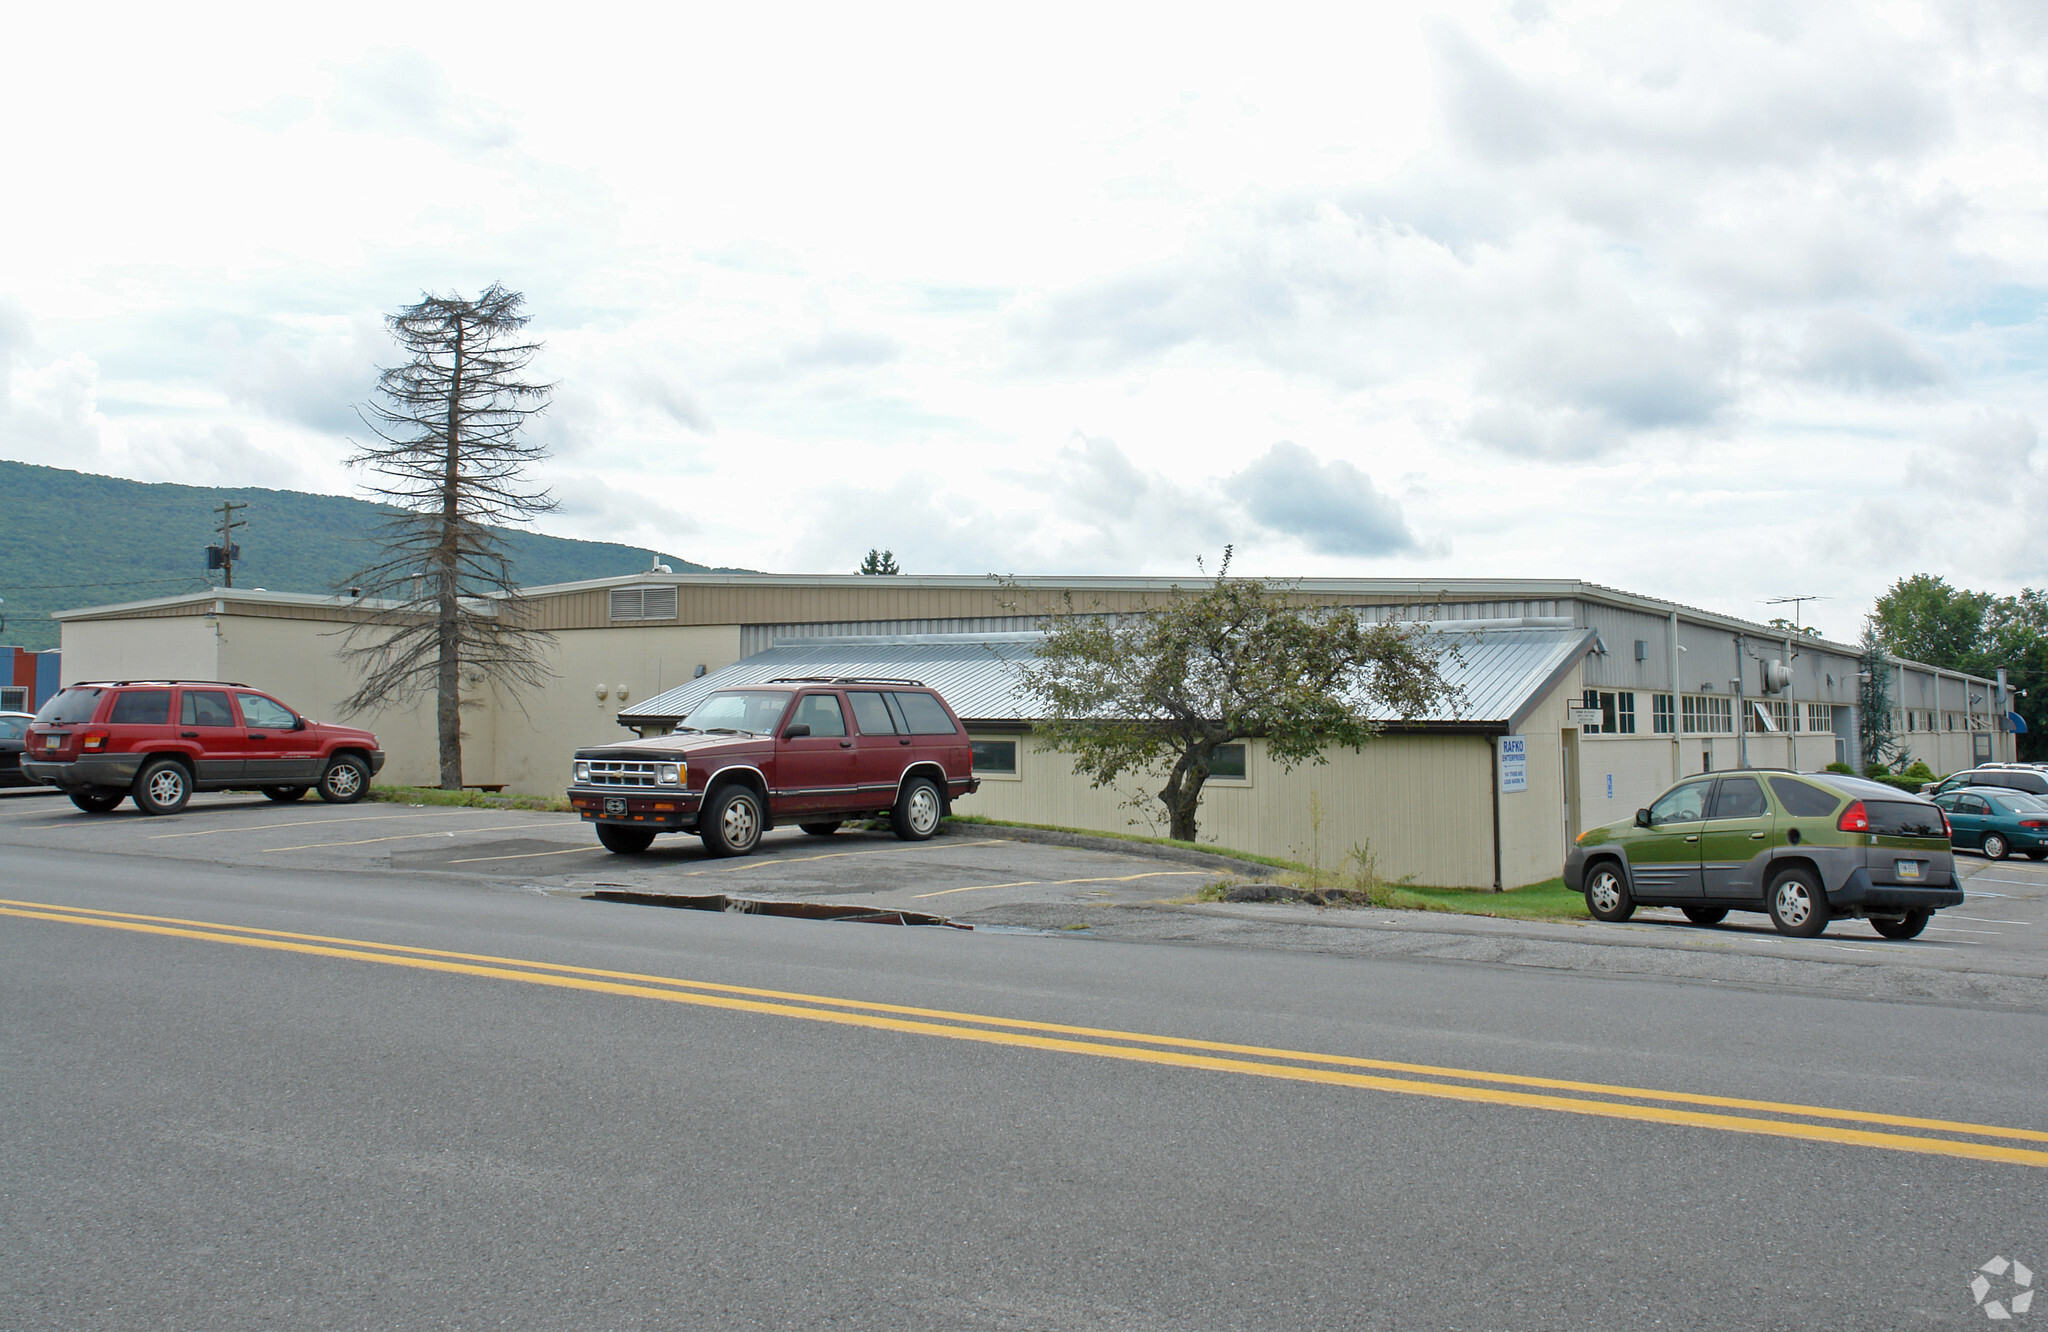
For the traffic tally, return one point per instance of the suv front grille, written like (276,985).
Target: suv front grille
(614,772)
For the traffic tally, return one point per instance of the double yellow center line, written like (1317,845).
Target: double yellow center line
(1811,1123)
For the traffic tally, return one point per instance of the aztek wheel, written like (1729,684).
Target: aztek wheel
(1705,915)
(162,787)
(918,810)
(623,840)
(821,829)
(346,780)
(96,801)
(1908,928)
(731,822)
(1607,895)
(1995,847)
(1799,907)
(284,795)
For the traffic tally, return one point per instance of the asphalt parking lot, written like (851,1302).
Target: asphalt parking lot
(1992,950)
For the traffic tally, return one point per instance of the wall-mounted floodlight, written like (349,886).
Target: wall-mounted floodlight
(621,691)
(699,672)
(602,689)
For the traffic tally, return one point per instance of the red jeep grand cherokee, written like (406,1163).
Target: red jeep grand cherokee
(105,740)
(813,751)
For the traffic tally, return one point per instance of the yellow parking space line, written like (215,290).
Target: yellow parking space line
(837,855)
(529,855)
(883,1017)
(1061,883)
(304,823)
(398,837)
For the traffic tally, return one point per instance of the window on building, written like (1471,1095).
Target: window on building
(643,603)
(1661,714)
(1820,717)
(997,758)
(13,699)
(1617,712)
(1227,763)
(1707,714)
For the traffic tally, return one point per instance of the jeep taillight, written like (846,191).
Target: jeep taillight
(93,741)
(1854,819)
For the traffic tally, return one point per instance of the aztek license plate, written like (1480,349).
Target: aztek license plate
(614,804)
(1907,869)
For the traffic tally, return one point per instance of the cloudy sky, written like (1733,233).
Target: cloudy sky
(1717,302)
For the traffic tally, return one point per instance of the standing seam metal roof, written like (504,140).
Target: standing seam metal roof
(1500,672)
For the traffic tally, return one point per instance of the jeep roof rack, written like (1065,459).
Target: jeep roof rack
(846,679)
(110,684)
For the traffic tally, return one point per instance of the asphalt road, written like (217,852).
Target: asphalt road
(265,1090)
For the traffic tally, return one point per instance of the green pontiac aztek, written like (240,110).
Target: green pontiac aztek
(1805,847)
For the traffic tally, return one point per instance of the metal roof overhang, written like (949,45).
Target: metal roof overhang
(1503,674)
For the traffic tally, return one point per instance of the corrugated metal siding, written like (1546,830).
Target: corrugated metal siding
(760,637)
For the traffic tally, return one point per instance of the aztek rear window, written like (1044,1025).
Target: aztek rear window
(1896,818)
(1802,801)
(71,707)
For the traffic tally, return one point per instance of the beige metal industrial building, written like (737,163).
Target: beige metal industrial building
(1597,698)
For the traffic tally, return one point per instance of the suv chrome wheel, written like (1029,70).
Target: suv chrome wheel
(1607,895)
(732,825)
(918,810)
(162,787)
(1798,906)
(344,782)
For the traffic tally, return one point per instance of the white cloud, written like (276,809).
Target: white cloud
(1664,297)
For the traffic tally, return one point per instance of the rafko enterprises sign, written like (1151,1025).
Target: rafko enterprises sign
(1514,763)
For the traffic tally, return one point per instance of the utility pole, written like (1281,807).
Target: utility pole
(227,550)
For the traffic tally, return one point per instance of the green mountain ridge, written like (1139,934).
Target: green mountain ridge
(71,539)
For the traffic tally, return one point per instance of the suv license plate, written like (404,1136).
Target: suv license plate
(52,742)
(1907,869)
(617,805)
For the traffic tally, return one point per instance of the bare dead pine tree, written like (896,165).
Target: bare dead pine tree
(450,458)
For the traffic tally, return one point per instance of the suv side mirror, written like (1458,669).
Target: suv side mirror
(797,729)
(1642,818)
(298,723)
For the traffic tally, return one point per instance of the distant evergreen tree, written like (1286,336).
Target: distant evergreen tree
(879,562)
(1874,702)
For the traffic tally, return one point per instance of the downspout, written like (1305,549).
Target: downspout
(1677,731)
(1741,704)
(1493,754)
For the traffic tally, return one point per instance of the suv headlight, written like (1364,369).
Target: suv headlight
(582,771)
(670,774)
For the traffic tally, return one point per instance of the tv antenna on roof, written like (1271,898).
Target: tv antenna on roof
(1795,603)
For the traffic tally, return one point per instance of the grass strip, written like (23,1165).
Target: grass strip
(433,795)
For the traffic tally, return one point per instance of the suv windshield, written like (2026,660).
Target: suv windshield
(738,710)
(70,707)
